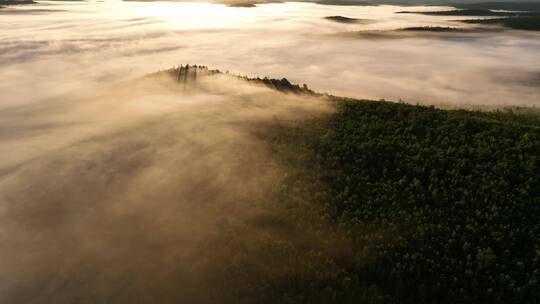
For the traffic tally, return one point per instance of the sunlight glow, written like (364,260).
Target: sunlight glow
(195,14)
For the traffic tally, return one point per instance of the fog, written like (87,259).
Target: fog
(144,192)
(124,188)
(49,48)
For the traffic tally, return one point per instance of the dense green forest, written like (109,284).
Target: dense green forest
(447,203)
(388,202)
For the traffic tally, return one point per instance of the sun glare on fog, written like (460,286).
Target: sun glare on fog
(193,14)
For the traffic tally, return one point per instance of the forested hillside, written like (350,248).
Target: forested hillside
(386,202)
(447,203)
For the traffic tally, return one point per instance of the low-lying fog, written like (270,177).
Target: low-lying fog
(148,192)
(118,189)
(56,46)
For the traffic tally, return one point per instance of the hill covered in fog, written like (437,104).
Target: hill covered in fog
(202,186)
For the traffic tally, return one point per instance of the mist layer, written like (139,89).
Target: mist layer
(56,46)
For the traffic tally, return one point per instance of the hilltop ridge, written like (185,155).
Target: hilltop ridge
(186,74)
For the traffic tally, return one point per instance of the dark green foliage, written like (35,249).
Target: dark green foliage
(189,74)
(432,29)
(531,23)
(16,2)
(447,203)
(342,19)
(509,6)
(462,12)
(390,203)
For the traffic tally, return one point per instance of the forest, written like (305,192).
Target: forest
(415,204)
(519,16)
(531,23)
(447,203)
